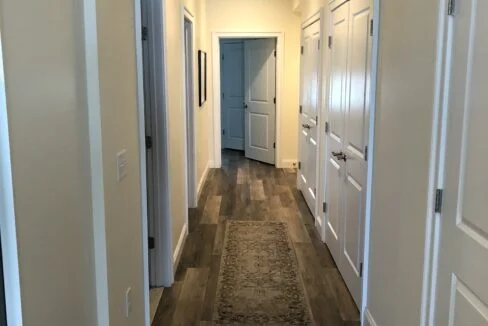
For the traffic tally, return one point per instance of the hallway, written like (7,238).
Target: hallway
(245,190)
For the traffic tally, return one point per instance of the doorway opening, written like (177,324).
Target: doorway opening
(154,151)
(189,104)
(248,101)
(248,105)
(247,70)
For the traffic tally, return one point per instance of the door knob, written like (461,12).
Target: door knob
(245,106)
(340,155)
(306,126)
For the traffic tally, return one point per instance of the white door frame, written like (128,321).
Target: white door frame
(189,143)
(216,111)
(317,16)
(158,75)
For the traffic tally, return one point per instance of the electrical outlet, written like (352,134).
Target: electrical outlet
(121,165)
(128,302)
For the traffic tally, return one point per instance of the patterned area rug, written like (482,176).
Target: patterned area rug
(259,282)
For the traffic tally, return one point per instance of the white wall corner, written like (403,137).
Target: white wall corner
(201,183)
(288,163)
(212,164)
(179,247)
(368,318)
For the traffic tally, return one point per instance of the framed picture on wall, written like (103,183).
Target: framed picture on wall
(202,77)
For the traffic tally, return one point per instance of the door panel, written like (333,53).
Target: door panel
(232,94)
(335,138)
(260,86)
(356,140)
(310,71)
(462,289)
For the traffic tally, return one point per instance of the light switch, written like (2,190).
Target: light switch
(121,165)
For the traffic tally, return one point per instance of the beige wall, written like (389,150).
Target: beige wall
(264,16)
(401,163)
(48,125)
(176,111)
(119,122)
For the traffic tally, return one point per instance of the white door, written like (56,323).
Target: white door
(336,120)
(232,94)
(310,65)
(260,90)
(348,138)
(356,145)
(462,283)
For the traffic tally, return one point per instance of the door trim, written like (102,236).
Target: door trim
(215,140)
(162,188)
(190,141)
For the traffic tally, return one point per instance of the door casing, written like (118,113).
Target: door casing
(215,141)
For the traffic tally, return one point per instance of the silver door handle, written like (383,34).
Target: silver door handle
(306,126)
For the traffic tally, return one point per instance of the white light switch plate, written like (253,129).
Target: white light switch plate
(121,165)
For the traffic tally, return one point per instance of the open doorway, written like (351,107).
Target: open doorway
(189,101)
(248,97)
(155,153)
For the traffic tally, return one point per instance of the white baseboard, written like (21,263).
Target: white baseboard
(368,318)
(179,247)
(288,163)
(202,181)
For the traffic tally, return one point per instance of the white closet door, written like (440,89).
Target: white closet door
(336,136)
(310,63)
(260,98)
(462,285)
(355,146)
(233,94)
(347,140)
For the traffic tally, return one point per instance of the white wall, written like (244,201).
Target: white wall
(405,101)
(264,16)
(48,127)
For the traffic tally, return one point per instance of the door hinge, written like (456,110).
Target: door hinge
(318,45)
(330,42)
(222,57)
(316,118)
(223,131)
(315,191)
(275,53)
(301,109)
(299,165)
(145,33)
(150,243)
(438,200)
(361,270)
(149,142)
(274,100)
(366,153)
(301,49)
(371,27)
(326,127)
(274,145)
(324,207)
(451,7)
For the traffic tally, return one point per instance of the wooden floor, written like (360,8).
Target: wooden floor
(248,190)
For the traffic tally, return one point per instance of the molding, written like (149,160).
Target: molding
(288,163)
(179,247)
(368,319)
(318,15)
(202,181)
(215,111)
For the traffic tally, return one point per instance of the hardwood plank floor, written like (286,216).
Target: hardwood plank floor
(248,190)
